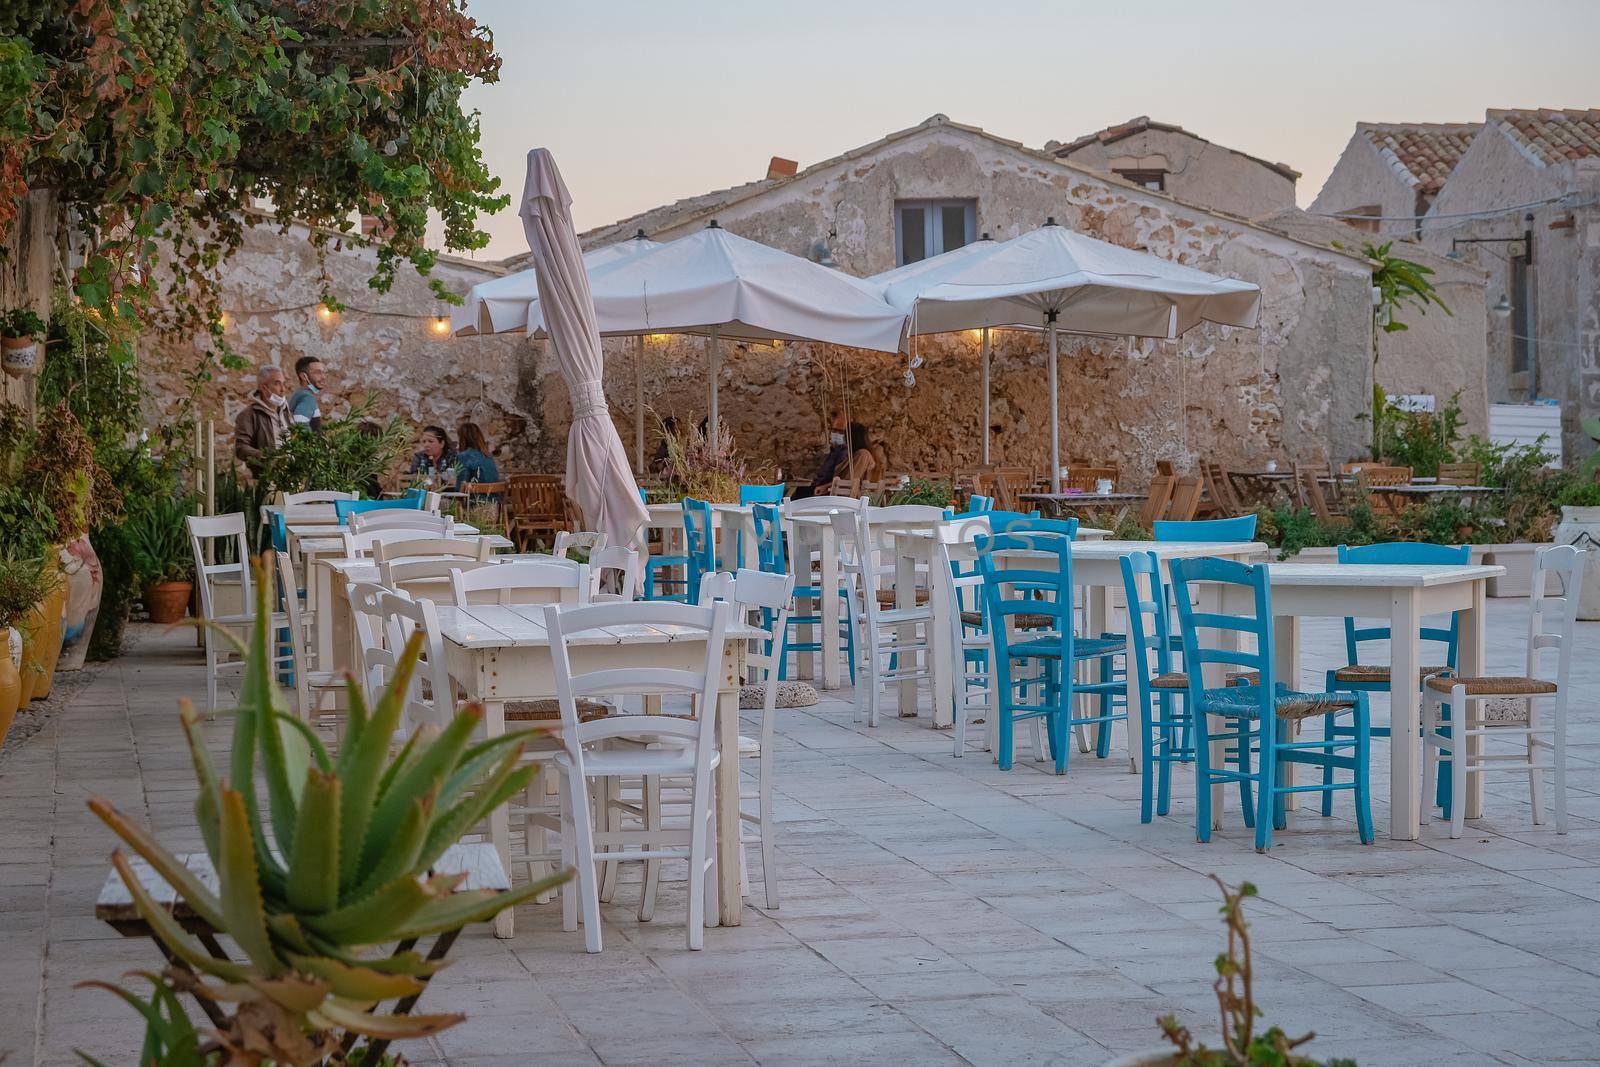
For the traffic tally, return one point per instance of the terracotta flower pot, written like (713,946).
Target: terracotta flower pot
(47,638)
(168,602)
(10,680)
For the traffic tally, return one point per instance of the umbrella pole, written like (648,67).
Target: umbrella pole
(714,361)
(638,404)
(984,428)
(1055,413)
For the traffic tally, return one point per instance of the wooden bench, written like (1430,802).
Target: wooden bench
(477,860)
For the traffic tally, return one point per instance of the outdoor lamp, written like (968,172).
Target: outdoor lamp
(1502,307)
(325,313)
(441,325)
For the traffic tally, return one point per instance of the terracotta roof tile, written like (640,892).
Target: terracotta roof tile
(1425,152)
(1552,135)
(1112,134)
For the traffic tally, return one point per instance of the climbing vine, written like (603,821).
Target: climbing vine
(167,127)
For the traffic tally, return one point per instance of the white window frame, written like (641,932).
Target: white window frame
(932,232)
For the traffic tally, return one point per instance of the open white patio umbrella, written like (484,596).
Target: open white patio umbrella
(718,285)
(1059,280)
(505,304)
(598,480)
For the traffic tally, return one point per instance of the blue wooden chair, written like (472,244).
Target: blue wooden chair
(1258,719)
(1208,531)
(343,509)
(1027,589)
(700,544)
(977,503)
(1016,522)
(1357,676)
(762,494)
(772,555)
(1166,734)
(658,585)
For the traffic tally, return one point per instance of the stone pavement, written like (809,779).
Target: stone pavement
(934,910)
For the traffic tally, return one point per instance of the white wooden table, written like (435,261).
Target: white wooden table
(500,652)
(1403,595)
(728,523)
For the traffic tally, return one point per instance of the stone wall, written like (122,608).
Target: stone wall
(27,273)
(1362,178)
(1198,171)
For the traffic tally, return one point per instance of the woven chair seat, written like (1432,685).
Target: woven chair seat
(886,597)
(1495,686)
(1026,621)
(1361,672)
(790,695)
(1244,702)
(550,710)
(1180,680)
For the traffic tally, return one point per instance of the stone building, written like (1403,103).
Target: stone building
(1293,388)
(1170,159)
(1390,173)
(1523,204)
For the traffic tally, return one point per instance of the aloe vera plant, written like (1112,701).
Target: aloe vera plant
(331,865)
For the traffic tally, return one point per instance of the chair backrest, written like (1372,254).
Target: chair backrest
(375,660)
(1012,522)
(1201,645)
(1379,475)
(585,541)
(762,494)
(623,564)
(360,543)
(769,538)
(630,670)
(1027,573)
(343,509)
(1157,498)
(1403,553)
(700,543)
(288,594)
(1164,466)
(766,597)
(537,498)
(317,496)
(905,515)
(1208,531)
(430,697)
(1553,613)
(978,502)
(421,544)
(1086,478)
(401,518)
(1186,496)
(1310,481)
(1148,626)
(523,581)
(811,505)
(1460,473)
(426,579)
(1218,488)
(204,528)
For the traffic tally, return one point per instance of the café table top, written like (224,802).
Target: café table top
(365,569)
(460,529)
(1414,576)
(522,626)
(1435,489)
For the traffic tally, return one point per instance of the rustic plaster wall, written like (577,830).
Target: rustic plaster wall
(383,345)
(27,273)
(1363,178)
(1198,171)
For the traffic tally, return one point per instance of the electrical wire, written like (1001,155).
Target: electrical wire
(1481,214)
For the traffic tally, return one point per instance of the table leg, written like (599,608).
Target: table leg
(944,641)
(828,607)
(319,587)
(494,724)
(905,596)
(1286,669)
(1404,715)
(730,905)
(800,550)
(1096,612)
(1470,653)
(749,558)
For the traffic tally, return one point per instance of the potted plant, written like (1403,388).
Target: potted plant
(20,330)
(320,868)
(163,559)
(1242,1046)
(24,583)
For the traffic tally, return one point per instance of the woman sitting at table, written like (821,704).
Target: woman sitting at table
(473,462)
(434,457)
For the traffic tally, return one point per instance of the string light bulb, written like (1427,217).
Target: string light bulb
(441,325)
(325,313)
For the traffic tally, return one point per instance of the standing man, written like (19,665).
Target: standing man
(264,422)
(305,406)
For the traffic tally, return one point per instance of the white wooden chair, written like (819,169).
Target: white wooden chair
(675,748)
(426,579)
(420,544)
(615,568)
(310,687)
(586,541)
(971,646)
(892,643)
(375,660)
(761,599)
(522,581)
(315,496)
(1497,707)
(430,698)
(402,519)
(361,542)
(221,655)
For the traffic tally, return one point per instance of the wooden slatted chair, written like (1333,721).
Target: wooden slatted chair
(1185,498)
(1161,489)
(1084,479)
(537,506)
(1460,473)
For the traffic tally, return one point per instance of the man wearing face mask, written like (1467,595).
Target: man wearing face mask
(264,422)
(831,463)
(305,406)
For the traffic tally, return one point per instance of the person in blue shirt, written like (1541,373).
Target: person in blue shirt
(305,406)
(473,462)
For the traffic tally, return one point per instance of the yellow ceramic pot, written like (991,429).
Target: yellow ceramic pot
(10,680)
(46,622)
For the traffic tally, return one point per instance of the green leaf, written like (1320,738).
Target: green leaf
(374,919)
(314,865)
(242,906)
(179,941)
(357,983)
(360,766)
(389,1027)
(479,905)
(426,775)
(204,903)
(398,855)
(507,781)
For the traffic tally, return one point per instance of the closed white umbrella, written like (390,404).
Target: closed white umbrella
(598,480)
(1060,280)
(719,285)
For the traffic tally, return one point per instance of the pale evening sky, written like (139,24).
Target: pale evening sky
(647,102)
